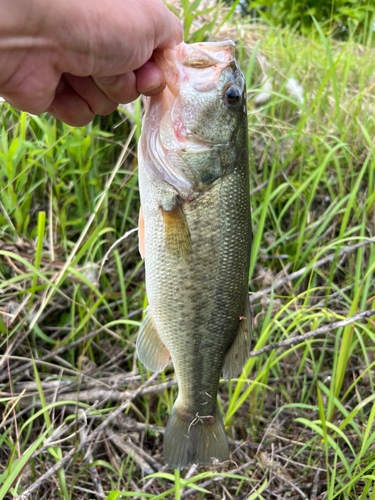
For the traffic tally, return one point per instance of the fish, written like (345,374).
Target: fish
(195,236)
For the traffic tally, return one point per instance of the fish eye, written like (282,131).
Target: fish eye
(232,95)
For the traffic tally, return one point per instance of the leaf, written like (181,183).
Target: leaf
(20,464)
(2,325)
(331,442)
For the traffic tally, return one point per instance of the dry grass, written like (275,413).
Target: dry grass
(81,418)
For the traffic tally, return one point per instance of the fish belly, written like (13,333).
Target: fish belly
(196,300)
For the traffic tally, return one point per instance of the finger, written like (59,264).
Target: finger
(69,107)
(86,88)
(30,91)
(26,103)
(120,88)
(150,79)
(168,29)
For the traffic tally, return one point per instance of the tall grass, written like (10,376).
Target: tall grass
(300,420)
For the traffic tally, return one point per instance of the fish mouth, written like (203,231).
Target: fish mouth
(201,65)
(178,65)
(197,55)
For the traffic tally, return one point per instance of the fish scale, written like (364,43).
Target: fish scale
(197,251)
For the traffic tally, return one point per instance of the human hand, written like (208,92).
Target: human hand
(75,59)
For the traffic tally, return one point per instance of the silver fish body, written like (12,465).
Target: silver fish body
(194,186)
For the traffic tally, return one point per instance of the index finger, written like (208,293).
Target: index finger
(168,28)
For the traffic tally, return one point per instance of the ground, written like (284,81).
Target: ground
(300,419)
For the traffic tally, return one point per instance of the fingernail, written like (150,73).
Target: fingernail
(105,80)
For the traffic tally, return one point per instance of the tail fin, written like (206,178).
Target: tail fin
(194,439)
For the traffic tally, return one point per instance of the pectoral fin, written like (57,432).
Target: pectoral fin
(176,231)
(150,349)
(238,352)
(141,234)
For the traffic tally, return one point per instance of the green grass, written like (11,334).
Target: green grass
(301,420)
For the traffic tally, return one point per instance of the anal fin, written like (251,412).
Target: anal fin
(238,353)
(150,349)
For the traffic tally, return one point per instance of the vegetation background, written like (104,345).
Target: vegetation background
(80,416)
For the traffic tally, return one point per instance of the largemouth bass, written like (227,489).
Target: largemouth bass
(195,235)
